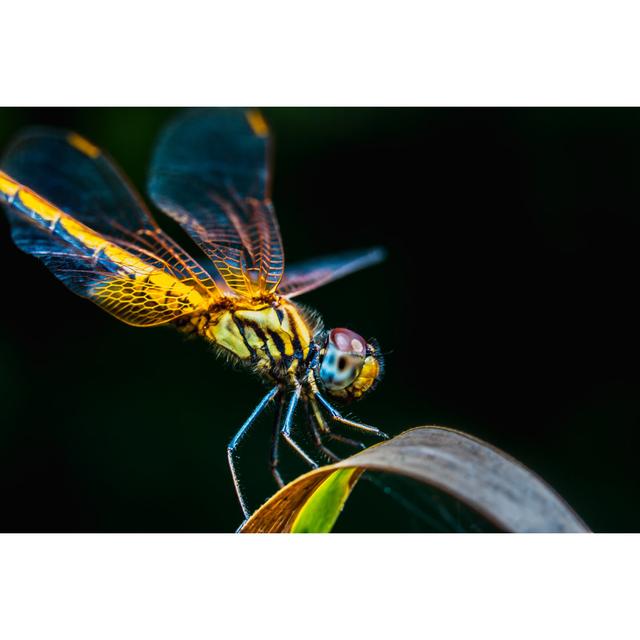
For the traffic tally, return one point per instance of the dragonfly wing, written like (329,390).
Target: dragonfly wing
(210,173)
(128,288)
(80,179)
(109,249)
(311,274)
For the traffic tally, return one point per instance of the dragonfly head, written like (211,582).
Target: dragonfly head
(348,366)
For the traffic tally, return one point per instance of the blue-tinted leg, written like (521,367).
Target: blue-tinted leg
(231,448)
(320,430)
(335,414)
(286,429)
(275,442)
(317,436)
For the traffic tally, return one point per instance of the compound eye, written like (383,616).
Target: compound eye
(348,341)
(343,359)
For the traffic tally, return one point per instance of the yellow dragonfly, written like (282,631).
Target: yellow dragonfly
(70,206)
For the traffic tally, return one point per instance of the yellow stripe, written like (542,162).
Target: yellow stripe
(8,186)
(43,208)
(288,344)
(226,334)
(257,123)
(301,326)
(82,145)
(252,337)
(95,242)
(86,235)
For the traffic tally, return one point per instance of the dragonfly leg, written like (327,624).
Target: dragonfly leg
(314,423)
(286,429)
(231,448)
(335,414)
(349,441)
(275,444)
(324,431)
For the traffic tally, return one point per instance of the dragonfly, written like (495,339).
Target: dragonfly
(70,206)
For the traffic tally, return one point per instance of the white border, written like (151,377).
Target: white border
(345,586)
(337,52)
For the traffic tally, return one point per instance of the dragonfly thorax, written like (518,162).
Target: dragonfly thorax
(271,334)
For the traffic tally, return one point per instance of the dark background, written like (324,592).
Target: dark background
(508,305)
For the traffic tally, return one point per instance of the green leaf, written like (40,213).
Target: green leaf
(487,480)
(321,510)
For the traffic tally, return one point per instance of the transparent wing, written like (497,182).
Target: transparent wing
(210,173)
(122,262)
(311,274)
(80,179)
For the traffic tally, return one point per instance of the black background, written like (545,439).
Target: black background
(508,306)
